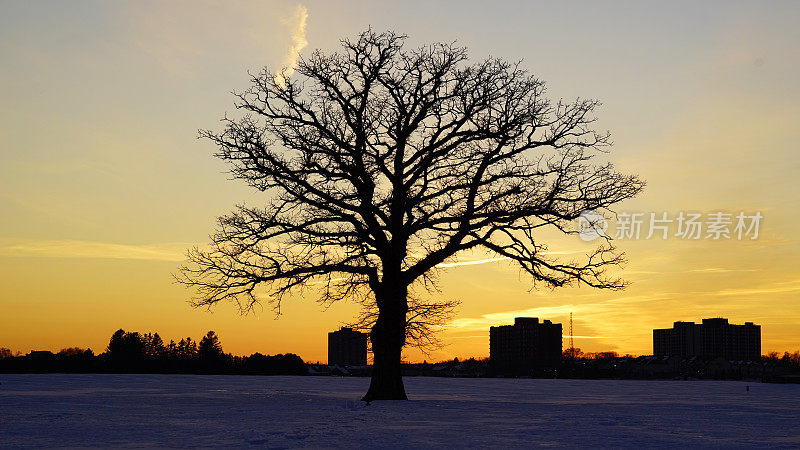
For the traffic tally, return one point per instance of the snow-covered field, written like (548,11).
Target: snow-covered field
(186,410)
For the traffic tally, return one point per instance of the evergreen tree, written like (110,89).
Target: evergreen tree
(210,346)
(126,346)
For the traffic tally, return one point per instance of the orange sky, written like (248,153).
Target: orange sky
(104,183)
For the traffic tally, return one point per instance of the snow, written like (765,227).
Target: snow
(187,410)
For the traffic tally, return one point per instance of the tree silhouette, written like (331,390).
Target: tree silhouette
(76,351)
(126,348)
(153,345)
(378,164)
(186,348)
(210,347)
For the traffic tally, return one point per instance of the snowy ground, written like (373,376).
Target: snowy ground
(182,410)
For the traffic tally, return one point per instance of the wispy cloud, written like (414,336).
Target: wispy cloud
(471,263)
(299,42)
(507,317)
(672,272)
(169,251)
(594,309)
(719,270)
(776,288)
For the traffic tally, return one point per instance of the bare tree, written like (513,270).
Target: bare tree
(423,320)
(379,163)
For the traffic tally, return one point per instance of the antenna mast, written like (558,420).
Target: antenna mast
(571,341)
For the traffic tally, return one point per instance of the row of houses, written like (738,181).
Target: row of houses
(675,367)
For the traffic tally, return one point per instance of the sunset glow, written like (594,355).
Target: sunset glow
(105,184)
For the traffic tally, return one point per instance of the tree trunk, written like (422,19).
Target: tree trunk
(388,337)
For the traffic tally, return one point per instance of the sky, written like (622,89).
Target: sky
(104,184)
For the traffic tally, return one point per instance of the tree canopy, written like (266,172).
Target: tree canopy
(379,163)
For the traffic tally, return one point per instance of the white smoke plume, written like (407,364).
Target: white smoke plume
(297,24)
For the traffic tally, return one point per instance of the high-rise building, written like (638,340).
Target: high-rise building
(347,347)
(714,338)
(525,346)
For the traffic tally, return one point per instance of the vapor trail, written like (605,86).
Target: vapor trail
(299,42)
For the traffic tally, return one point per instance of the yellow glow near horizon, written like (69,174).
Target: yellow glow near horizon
(104,185)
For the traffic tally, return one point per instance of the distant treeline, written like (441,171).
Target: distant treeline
(134,352)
